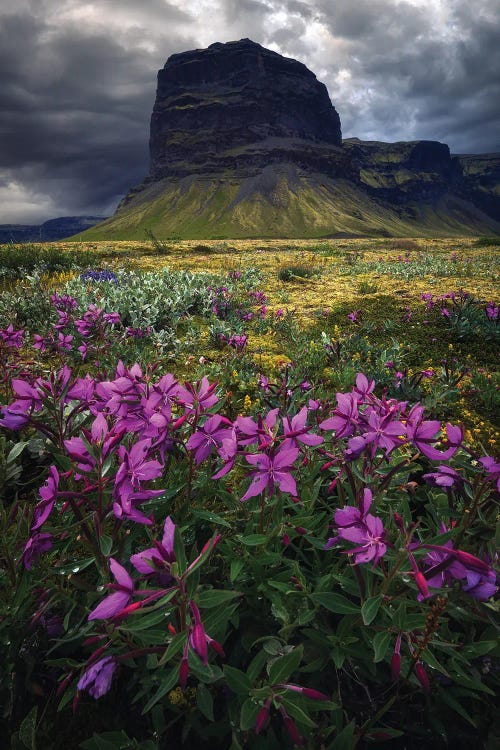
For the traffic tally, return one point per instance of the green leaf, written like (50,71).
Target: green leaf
(14,452)
(253,540)
(215,597)
(166,685)
(248,716)
(205,702)
(335,603)
(284,666)
(370,608)
(175,645)
(106,545)
(446,696)
(380,645)
(205,515)
(237,566)
(297,713)
(27,730)
(345,739)
(237,680)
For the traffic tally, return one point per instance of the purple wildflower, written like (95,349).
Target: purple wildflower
(97,678)
(355,524)
(36,545)
(48,493)
(271,470)
(123,592)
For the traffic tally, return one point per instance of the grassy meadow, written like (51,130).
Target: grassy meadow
(195,434)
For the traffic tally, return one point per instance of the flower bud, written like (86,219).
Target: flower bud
(422,677)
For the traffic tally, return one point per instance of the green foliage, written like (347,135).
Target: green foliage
(18,261)
(295,272)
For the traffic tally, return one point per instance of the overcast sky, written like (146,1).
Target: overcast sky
(78,80)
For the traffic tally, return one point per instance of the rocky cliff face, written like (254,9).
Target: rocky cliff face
(241,106)
(246,143)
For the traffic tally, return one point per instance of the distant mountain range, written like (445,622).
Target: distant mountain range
(54,229)
(246,143)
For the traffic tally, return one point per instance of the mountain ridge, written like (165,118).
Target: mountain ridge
(246,143)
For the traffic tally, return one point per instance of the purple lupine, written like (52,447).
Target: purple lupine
(271,470)
(48,493)
(123,593)
(98,677)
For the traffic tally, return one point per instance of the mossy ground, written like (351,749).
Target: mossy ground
(382,278)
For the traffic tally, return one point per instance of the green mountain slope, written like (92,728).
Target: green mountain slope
(282,201)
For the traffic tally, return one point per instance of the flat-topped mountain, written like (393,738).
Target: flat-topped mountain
(246,143)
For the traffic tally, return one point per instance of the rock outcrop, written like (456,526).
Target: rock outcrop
(240,106)
(246,143)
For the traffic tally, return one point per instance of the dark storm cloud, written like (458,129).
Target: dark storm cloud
(78,81)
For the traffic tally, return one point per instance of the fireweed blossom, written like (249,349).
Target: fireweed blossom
(296,431)
(48,493)
(422,433)
(262,432)
(98,677)
(123,593)
(207,437)
(355,524)
(345,417)
(157,559)
(271,470)
(492,469)
(36,545)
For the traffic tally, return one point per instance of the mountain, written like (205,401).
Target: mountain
(246,143)
(53,229)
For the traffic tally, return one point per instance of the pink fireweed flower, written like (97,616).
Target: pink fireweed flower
(200,396)
(492,311)
(363,386)
(481,586)
(98,677)
(444,476)
(12,338)
(363,529)
(126,499)
(227,450)
(272,470)
(296,431)
(346,416)
(36,545)
(424,432)
(262,432)
(113,604)
(492,469)
(157,559)
(48,493)
(207,437)
(135,466)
